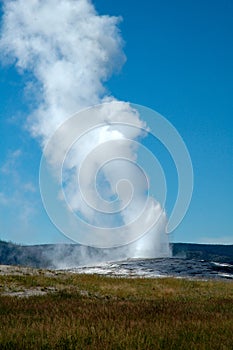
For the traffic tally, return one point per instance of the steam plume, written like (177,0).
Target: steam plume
(72,51)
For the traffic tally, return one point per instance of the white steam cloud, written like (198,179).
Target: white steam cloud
(72,51)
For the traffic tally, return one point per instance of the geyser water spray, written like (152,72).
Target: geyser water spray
(92,183)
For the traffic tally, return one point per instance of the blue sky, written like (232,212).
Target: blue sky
(179,63)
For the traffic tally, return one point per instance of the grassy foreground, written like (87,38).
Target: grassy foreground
(94,312)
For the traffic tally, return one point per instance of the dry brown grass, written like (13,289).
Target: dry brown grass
(93,312)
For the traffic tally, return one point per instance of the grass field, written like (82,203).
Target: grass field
(93,312)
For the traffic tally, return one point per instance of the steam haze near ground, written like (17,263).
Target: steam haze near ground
(71,52)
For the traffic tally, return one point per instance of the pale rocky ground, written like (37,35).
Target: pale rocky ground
(10,288)
(20,271)
(21,291)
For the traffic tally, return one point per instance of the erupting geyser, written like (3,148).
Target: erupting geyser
(71,53)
